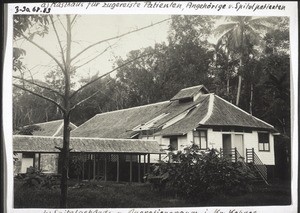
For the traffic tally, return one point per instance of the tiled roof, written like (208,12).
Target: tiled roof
(119,124)
(51,128)
(22,143)
(169,118)
(227,114)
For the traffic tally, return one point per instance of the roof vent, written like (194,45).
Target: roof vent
(190,93)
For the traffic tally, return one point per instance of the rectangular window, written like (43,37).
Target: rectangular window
(173,143)
(28,155)
(200,138)
(263,142)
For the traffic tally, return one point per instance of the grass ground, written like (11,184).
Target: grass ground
(123,195)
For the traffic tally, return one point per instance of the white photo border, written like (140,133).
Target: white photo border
(290,11)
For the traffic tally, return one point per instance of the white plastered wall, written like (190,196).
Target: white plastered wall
(250,141)
(214,139)
(164,142)
(267,157)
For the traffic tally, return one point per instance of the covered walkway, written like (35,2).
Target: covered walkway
(92,158)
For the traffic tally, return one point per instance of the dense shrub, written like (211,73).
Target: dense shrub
(201,174)
(37,179)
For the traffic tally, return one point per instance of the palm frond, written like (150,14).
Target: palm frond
(260,27)
(248,18)
(223,28)
(237,18)
(226,39)
(237,37)
(254,36)
(264,20)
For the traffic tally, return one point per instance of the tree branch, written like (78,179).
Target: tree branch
(119,36)
(61,24)
(73,20)
(41,86)
(41,96)
(43,49)
(80,102)
(96,79)
(59,42)
(94,57)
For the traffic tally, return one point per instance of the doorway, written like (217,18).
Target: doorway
(226,143)
(239,144)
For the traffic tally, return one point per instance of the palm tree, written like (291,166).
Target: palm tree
(222,51)
(241,32)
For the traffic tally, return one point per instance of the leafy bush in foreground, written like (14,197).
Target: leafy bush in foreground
(37,179)
(198,174)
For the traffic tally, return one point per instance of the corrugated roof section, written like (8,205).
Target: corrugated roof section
(91,145)
(189,92)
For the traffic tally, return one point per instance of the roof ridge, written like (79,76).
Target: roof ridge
(192,87)
(210,108)
(90,138)
(104,113)
(58,129)
(45,122)
(36,136)
(114,139)
(244,111)
(136,107)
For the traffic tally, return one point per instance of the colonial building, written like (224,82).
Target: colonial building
(192,116)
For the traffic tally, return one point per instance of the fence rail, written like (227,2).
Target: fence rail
(232,154)
(251,157)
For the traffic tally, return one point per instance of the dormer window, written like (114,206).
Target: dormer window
(185,100)
(190,94)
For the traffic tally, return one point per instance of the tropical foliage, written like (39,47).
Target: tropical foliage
(198,174)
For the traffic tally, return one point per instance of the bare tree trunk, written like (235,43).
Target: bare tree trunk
(66,107)
(239,83)
(251,99)
(227,72)
(227,86)
(239,91)
(65,162)
(66,135)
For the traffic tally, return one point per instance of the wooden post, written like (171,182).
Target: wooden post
(39,161)
(159,157)
(144,164)
(83,158)
(130,169)
(139,168)
(34,156)
(118,167)
(148,167)
(235,154)
(94,167)
(98,164)
(89,168)
(105,167)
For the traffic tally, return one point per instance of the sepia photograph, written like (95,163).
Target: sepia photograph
(113,111)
